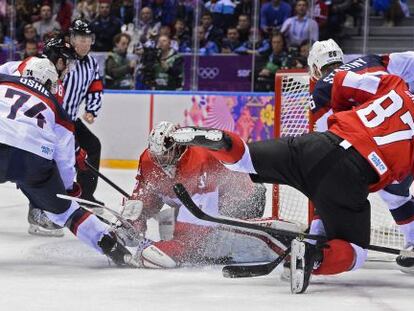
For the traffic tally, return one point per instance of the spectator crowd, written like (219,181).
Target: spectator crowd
(146,53)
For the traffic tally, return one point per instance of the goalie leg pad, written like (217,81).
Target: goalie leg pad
(338,257)
(154,257)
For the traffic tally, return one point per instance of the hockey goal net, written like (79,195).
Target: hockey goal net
(292,118)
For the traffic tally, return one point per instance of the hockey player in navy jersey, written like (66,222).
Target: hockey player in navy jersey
(61,54)
(37,154)
(325,59)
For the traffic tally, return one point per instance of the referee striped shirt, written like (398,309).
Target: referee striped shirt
(83,82)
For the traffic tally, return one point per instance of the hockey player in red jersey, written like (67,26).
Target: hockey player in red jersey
(213,187)
(37,154)
(364,150)
(325,59)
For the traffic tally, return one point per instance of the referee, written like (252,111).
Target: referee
(83,83)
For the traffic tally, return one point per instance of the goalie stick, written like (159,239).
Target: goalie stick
(188,202)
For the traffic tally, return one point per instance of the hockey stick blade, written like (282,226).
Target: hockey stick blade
(246,271)
(118,216)
(185,198)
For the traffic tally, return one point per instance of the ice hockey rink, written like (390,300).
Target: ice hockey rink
(39,273)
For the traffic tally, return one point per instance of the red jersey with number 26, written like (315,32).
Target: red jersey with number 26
(382,128)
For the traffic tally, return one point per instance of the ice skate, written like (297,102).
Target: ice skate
(40,225)
(406,263)
(304,258)
(117,252)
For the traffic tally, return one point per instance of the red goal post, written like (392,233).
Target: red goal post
(293,118)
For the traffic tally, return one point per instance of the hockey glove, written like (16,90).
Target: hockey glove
(76,190)
(81,157)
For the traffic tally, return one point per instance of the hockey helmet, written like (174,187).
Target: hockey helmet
(43,71)
(80,27)
(162,148)
(323,53)
(57,48)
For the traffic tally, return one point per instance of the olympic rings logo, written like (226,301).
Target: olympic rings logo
(208,72)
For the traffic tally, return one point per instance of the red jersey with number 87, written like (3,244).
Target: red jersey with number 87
(382,128)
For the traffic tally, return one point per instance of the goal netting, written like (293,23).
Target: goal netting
(292,118)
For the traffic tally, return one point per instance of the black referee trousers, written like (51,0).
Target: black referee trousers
(334,179)
(91,144)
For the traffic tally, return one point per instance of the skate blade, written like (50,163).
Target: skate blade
(39,231)
(297,276)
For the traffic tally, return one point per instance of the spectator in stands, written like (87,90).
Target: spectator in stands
(169,70)
(337,16)
(64,14)
(301,60)
(47,22)
(273,14)
(300,27)
(222,12)
(86,10)
(119,69)
(125,12)
(231,42)
(182,35)
(105,26)
(164,11)
(211,32)
(256,45)
(30,49)
(185,12)
(206,47)
(391,9)
(166,31)
(244,7)
(29,34)
(320,14)
(243,26)
(147,27)
(278,59)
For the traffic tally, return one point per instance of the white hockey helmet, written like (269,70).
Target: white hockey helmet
(43,71)
(163,150)
(321,54)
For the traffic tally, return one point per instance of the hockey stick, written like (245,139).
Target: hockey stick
(108,181)
(245,271)
(118,216)
(188,202)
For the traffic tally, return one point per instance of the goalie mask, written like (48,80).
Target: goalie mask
(323,53)
(43,71)
(162,148)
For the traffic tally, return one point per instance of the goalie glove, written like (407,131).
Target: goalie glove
(132,209)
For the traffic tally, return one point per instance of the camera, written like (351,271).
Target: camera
(150,57)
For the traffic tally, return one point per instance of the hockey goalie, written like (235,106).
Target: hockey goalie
(184,238)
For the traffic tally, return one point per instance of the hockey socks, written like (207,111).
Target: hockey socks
(338,257)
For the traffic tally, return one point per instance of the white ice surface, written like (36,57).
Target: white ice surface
(38,273)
